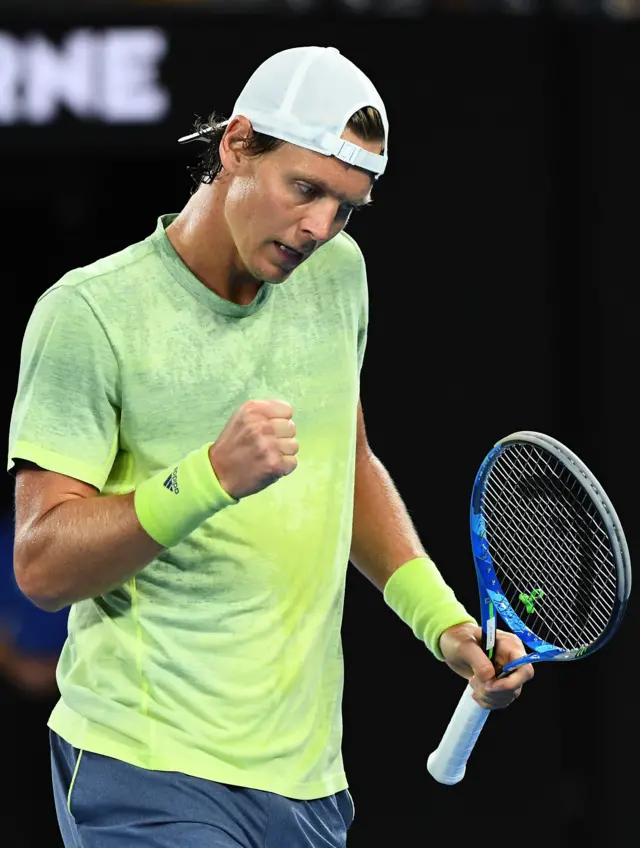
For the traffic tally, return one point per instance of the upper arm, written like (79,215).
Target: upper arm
(37,492)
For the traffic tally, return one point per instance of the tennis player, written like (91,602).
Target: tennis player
(193,475)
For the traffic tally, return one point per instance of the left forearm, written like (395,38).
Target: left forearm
(384,537)
(384,540)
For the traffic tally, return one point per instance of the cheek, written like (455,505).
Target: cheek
(241,205)
(258,210)
(268,210)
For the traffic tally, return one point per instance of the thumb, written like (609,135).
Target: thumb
(481,665)
(483,669)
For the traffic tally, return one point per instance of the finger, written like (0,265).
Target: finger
(482,687)
(283,428)
(288,465)
(288,447)
(481,701)
(504,690)
(496,701)
(490,687)
(276,409)
(514,679)
(508,648)
(481,665)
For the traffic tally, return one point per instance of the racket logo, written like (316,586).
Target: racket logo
(529,600)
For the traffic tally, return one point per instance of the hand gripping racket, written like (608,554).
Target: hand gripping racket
(551,560)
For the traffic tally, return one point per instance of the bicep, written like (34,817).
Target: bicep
(38,491)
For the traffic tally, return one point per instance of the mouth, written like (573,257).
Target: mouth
(290,257)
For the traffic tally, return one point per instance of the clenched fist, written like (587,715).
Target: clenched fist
(256,448)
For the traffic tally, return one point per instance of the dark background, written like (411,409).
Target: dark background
(501,251)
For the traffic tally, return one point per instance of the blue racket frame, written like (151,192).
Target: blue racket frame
(492,599)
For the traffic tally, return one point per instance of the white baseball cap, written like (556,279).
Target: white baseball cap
(306,96)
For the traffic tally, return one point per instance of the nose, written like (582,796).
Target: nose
(320,220)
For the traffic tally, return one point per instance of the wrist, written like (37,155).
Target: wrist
(418,594)
(177,500)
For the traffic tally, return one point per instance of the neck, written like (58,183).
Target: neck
(201,238)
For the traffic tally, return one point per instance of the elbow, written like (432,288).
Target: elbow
(34,583)
(48,604)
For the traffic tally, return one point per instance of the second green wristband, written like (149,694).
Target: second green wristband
(418,594)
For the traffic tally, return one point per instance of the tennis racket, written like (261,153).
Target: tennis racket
(551,560)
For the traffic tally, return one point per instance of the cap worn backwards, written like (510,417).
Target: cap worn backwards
(306,96)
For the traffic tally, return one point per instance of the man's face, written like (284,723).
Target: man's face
(286,204)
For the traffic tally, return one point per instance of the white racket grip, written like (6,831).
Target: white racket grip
(448,763)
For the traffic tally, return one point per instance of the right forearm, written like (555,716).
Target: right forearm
(82,548)
(72,544)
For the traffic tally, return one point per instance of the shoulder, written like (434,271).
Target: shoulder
(106,279)
(340,260)
(344,249)
(89,303)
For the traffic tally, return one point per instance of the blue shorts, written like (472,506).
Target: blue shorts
(116,805)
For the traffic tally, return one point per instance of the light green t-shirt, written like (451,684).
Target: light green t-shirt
(222,658)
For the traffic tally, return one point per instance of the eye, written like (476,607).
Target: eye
(307,190)
(346,209)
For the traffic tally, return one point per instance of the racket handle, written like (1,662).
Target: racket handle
(448,763)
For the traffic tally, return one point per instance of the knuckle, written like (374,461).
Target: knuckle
(250,407)
(273,464)
(260,428)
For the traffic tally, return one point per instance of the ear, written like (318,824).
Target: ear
(232,154)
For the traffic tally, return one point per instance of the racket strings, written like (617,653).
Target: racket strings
(578,511)
(547,627)
(562,632)
(550,548)
(545,545)
(586,515)
(600,541)
(582,609)
(553,537)
(574,517)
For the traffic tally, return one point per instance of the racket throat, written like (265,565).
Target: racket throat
(489,631)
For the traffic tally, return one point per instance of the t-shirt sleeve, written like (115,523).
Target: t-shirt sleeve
(363,320)
(360,291)
(66,410)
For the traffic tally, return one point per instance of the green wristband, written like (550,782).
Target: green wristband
(172,504)
(417,593)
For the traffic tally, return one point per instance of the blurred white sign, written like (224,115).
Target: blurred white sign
(110,75)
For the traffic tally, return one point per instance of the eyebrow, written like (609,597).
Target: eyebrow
(317,183)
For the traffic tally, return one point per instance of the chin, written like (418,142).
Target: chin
(272,274)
